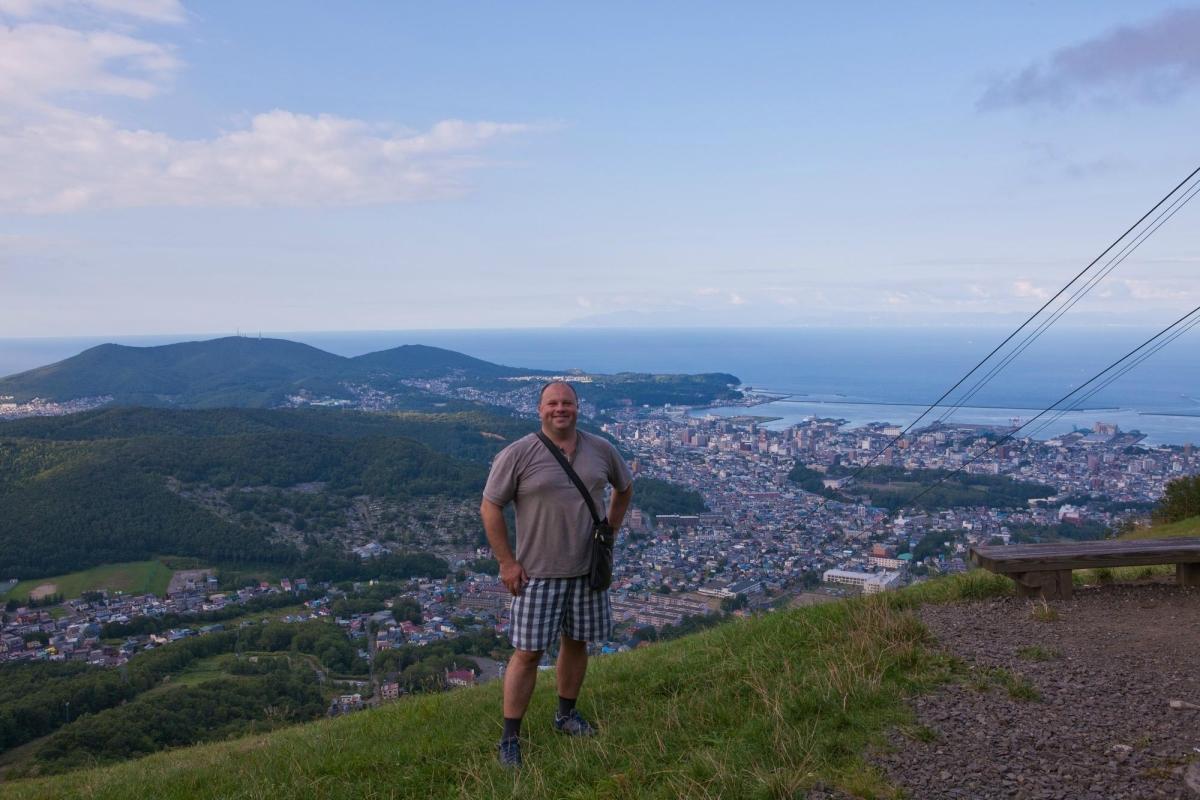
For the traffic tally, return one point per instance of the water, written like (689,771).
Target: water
(840,372)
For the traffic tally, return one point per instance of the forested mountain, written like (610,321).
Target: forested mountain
(233,485)
(235,371)
(423,361)
(264,373)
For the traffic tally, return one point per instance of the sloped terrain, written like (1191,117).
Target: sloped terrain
(128,484)
(774,706)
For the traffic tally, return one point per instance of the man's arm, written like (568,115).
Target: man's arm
(618,505)
(512,574)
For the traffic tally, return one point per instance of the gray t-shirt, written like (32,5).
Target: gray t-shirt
(553,523)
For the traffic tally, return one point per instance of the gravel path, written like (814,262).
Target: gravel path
(1078,706)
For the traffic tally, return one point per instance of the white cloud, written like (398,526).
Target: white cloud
(40,61)
(160,11)
(736,299)
(57,159)
(1145,290)
(1024,288)
(69,161)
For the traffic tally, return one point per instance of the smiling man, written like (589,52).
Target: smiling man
(548,575)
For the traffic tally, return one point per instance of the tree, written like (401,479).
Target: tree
(1180,500)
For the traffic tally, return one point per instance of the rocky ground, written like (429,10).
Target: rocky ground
(1096,698)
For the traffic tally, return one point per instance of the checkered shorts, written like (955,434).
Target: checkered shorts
(549,605)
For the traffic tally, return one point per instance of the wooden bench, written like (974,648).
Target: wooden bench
(1045,569)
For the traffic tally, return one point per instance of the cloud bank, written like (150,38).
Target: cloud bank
(1152,62)
(59,159)
(70,161)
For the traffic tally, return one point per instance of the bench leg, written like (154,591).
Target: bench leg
(1052,585)
(1187,574)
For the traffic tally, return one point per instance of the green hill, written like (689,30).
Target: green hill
(263,373)
(123,484)
(234,371)
(765,707)
(423,361)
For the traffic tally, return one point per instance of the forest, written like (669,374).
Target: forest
(96,488)
(38,699)
(654,496)
(210,711)
(892,488)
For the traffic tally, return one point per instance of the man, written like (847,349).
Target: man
(548,575)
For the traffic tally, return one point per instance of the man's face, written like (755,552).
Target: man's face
(558,409)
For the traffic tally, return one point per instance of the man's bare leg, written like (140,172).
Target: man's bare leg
(519,680)
(572,666)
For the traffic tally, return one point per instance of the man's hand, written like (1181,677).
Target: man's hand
(513,576)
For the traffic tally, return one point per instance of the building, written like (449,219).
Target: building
(868,582)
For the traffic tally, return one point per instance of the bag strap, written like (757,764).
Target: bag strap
(567,468)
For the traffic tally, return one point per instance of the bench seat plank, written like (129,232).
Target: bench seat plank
(1085,555)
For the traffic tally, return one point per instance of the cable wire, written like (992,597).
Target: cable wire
(1075,404)
(1182,321)
(1022,326)
(1163,218)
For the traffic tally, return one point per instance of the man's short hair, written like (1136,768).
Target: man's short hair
(548,384)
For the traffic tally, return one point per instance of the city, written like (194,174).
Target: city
(763,542)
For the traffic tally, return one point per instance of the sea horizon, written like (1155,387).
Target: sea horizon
(870,374)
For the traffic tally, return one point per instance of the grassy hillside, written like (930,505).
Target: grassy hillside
(765,707)
(1184,527)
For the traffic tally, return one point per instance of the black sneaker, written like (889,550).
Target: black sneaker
(508,752)
(573,724)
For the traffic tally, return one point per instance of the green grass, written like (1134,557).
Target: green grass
(1035,652)
(202,671)
(1184,527)
(134,577)
(758,708)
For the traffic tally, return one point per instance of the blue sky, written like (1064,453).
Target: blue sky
(193,167)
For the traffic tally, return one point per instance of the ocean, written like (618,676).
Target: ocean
(859,374)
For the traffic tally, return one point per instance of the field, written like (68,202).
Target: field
(217,667)
(134,577)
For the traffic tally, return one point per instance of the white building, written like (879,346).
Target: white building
(869,582)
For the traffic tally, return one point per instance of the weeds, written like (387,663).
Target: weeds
(1018,686)
(1035,652)
(1044,612)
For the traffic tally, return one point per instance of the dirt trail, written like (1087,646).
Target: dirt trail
(1115,708)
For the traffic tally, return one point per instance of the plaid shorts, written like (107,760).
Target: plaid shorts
(549,605)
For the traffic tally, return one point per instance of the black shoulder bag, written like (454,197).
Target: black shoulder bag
(601,563)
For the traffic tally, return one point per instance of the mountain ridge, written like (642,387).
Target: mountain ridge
(248,372)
